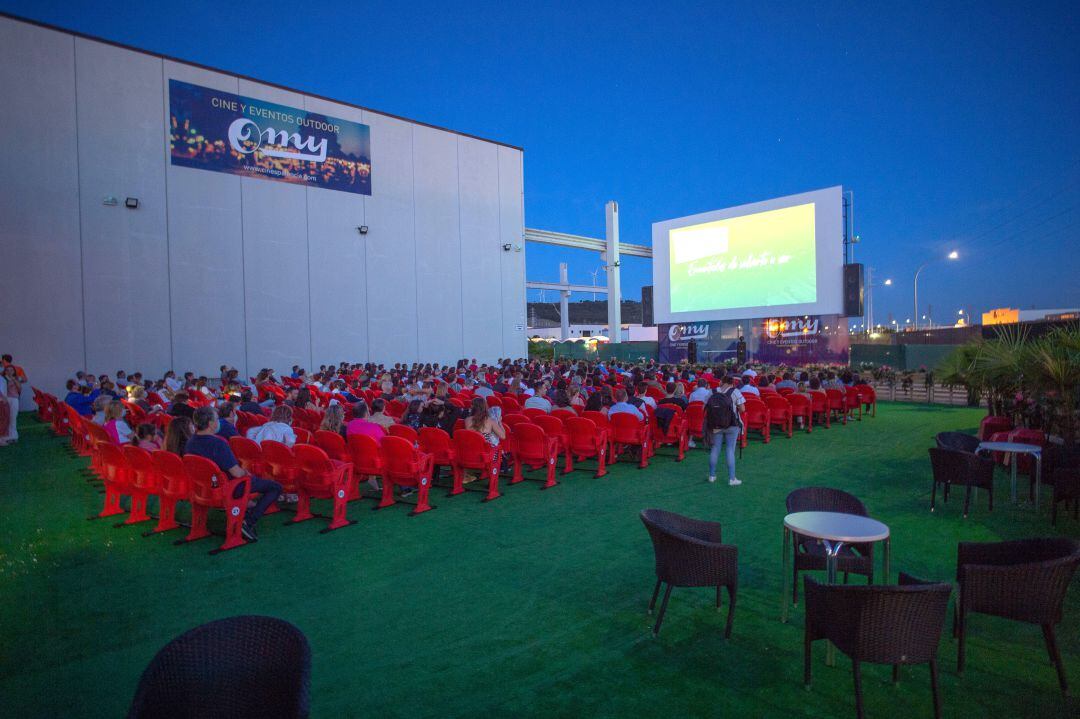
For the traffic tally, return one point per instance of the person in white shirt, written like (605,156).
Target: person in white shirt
(278,429)
(171,382)
(621,405)
(749,372)
(724,437)
(702,393)
(747,387)
(645,398)
(539,399)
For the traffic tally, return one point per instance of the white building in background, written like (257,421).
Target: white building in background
(117,257)
(630,332)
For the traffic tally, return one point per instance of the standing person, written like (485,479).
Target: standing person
(723,426)
(740,351)
(206,443)
(5,413)
(12,390)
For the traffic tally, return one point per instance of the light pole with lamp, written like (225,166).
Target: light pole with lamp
(952,256)
(870,295)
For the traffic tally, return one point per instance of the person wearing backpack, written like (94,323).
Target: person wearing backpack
(723,425)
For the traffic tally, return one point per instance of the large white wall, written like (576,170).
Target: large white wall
(218,269)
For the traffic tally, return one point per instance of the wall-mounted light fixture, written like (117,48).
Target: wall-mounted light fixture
(362,229)
(110,201)
(507,247)
(132,203)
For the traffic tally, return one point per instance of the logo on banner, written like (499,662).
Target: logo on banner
(792,327)
(246,138)
(688,332)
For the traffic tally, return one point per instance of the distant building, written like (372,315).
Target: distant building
(1007,315)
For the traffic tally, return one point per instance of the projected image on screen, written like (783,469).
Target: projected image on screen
(760,260)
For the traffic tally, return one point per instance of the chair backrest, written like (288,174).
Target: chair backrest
(279,457)
(174,480)
(404,431)
(248,452)
(530,441)
(145,475)
(819,401)
(314,463)
(824,499)
(116,465)
(1023,579)
(398,455)
(471,449)
(436,442)
(785,391)
(303,436)
(240,666)
(625,428)
(563,413)
(203,474)
(799,403)
(509,420)
(510,404)
(552,426)
(777,403)
(957,440)
(333,444)
(836,398)
(364,453)
(955,466)
(534,412)
(695,416)
(493,401)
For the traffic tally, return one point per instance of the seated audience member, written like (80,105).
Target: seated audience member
(576,398)
(137,396)
(248,403)
(177,434)
(334,419)
(763,383)
(78,398)
(278,429)
(747,387)
(815,384)
(304,400)
(676,395)
(484,390)
(640,392)
(701,393)
(786,383)
(100,405)
(379,416)
(623,406)
(227,421)
(480,419)
(172,383)
(119,430)
(146,437)
(539,399)
(180,406)
(360,423)
(413,414)
(206,443)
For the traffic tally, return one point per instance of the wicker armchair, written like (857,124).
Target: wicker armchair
(953,466)
(810,553)
(1061,470)
(244,666)
(958,441)
(1024,580)
(881,625)
(689,554)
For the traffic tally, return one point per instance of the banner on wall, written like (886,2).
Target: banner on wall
(219,131)
(806,339)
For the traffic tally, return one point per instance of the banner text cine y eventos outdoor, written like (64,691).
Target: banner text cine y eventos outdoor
(219,131)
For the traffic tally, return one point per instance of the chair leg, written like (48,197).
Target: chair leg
(934,689)
(655,593)
(1055,656)
(663,608)
(806,659)
(896,674)
(967,500)
(960,630)
(794,576)
(732,594)
(933,496)
(856,672)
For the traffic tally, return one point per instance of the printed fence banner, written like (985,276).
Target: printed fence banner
(219,131)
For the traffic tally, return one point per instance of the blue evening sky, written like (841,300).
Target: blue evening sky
(957,125)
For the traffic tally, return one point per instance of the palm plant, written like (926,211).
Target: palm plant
(1053,363)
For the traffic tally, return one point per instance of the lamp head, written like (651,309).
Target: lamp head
(954,255)
(888,282)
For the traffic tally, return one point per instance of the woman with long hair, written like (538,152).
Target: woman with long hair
(481,420)
(334,419)
(177,435)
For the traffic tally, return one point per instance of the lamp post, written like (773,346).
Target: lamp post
(870,295)
(951,256)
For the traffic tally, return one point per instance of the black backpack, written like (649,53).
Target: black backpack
(720,411)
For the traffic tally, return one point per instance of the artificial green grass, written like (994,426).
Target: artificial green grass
(532,605)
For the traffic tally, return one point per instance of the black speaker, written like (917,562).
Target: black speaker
(853,290)
(647,306)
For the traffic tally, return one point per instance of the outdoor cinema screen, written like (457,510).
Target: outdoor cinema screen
(780,256)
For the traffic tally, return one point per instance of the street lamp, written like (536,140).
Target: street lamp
(951,256)
(870,285)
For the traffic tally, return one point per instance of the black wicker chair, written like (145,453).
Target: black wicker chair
(1024,580)
(810,553)
(881,625)
(953,466)
(1061,470)
(246,666)
(689,554)
(957,440)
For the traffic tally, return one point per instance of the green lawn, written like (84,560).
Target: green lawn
(533,605)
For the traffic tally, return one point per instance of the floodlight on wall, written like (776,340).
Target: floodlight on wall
(132,203)
(362,229)
(507,247)
(110,201)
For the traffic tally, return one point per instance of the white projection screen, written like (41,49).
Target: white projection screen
(778,257)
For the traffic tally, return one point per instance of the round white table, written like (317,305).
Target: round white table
(1013,449)
(834,530)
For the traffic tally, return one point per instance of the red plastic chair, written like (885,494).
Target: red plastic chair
(322,478)
(493,401)
(556,427)
(695,420)
(819,407)
(116,473)
(250,456)
(677,434)
(780,413)
(837,403)
(406,466)
(535,449)
(333,444)
(629,431)
(145,482)
(281,465)
(854,401)
(437,443)
(533,412)
(587,441)
(396,408)
(510,404)
(472,452)
(509,420)
(800,407)
(175,488)
(213,489)
(868,398)
(365,456)
(756,418)
(404,431)
(303,436)
(991,425)
(785,391)
(564,413)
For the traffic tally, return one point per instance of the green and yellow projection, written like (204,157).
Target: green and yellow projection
(761,260)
